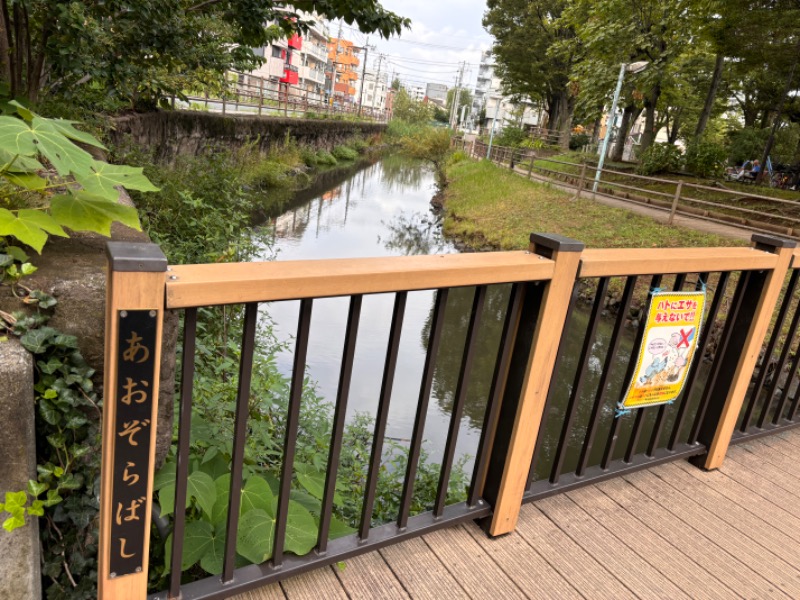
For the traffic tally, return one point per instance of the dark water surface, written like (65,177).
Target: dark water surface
(383,209)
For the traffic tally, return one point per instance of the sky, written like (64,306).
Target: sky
(443,34)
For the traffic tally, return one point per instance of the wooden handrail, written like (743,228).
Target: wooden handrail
(207,285)
(623,261)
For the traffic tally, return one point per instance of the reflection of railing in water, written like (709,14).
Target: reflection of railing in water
(543,282)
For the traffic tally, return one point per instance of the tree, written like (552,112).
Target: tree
(145,50)
(534,55)
(464,98)
(396,85)
(405,108)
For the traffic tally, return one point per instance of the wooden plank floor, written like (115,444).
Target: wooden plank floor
(669,532)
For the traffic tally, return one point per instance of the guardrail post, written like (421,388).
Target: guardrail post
(581,181)
(134,317)
(531,156)
(733,369)
(675,200)
(539,329)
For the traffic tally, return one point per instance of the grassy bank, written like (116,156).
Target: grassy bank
(488,206)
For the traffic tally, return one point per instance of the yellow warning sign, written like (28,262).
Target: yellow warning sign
(668,348)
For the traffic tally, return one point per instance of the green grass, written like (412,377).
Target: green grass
(490,206)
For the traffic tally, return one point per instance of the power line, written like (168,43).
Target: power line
(428,44)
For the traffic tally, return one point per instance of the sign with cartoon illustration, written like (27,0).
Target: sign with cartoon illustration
(668,348)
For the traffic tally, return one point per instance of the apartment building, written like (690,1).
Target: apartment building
(489,92)
(376,87)
(342,74)
(436,93)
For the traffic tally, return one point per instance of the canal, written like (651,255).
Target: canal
(383,209)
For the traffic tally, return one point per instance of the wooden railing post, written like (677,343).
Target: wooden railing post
(541,322)
(581,181)
(674,208)
(733,368)
(134,315)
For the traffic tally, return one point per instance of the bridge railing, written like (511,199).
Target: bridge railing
(516,461)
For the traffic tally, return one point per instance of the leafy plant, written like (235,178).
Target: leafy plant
(660,158)
(705,158)
(433,145)
(43,201)
(344,153)
(326,159)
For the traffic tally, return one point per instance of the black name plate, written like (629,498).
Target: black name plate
(133,425)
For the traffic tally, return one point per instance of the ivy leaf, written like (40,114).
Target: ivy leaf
(35,488)
(197,539)
(68,130)
(212,559)
(26,232)
(53,498)
(256,536)
(256,494)
(200,486)
(14,522)
(15,500)
(36,340)
(301,530)
(16,137)
(43,300)
(83,212)
(17,252)
(102,179)
(48,412)
(65,156)
(5,260)
(36,509)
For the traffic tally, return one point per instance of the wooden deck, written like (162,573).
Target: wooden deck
(669,532)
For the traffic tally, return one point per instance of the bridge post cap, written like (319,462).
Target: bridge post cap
(773,241)
(556,242)
(136,257)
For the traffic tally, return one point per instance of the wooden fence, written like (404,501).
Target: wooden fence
(544,282)
(740,207)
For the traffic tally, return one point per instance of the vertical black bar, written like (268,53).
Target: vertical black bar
(552,392)
(342,395)
(292,422)
(495,394)
(580,376)
(184,436)
(727,341)
(460,397)
(239,436)
(435,336)
(613,345)
(640,414)
(787,349)
(762,374)
(383,413)
(765,360)
(705,336)
(680,279)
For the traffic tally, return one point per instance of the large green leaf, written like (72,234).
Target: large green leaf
(25,231)
(41,220)
(66,127)
(102,178)
(65,156)
(197,540)
(256,494)
(212,559)
(16,163)
(16,137)
(339,529)
(82,212)
(301,530)
(200,486)
(256,536)
(219,514)
(166,499)
(165,475)
(29,181)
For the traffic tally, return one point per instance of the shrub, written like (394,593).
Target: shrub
(660,158)
(326,159)
(578,141)
(510,136)
(431,144)
(359,145)
(345,153)
(457,157)
(309,157)
(705,158)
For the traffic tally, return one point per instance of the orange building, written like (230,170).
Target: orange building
(345,63)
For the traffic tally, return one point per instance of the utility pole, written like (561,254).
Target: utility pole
(363,76)
(456,98)
(377,77)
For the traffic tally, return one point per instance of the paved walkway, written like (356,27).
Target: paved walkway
(658,214)
(670,532)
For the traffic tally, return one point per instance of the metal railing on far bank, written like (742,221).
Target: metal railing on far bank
(547,424)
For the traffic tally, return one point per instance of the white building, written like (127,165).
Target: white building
(436,93)
(488,92)
(416,92)
(376,87)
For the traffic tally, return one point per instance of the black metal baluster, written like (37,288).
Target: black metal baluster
(435,336)
(292,422)
(580,376)
(787,301)
(239,436)
(791,374)
(640,414)
(184,436)
(342,395)
(496,390)
(705,336)
(765,360)
(460,397)
(736,305)
(680,280)
(383,413)
(591,430)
